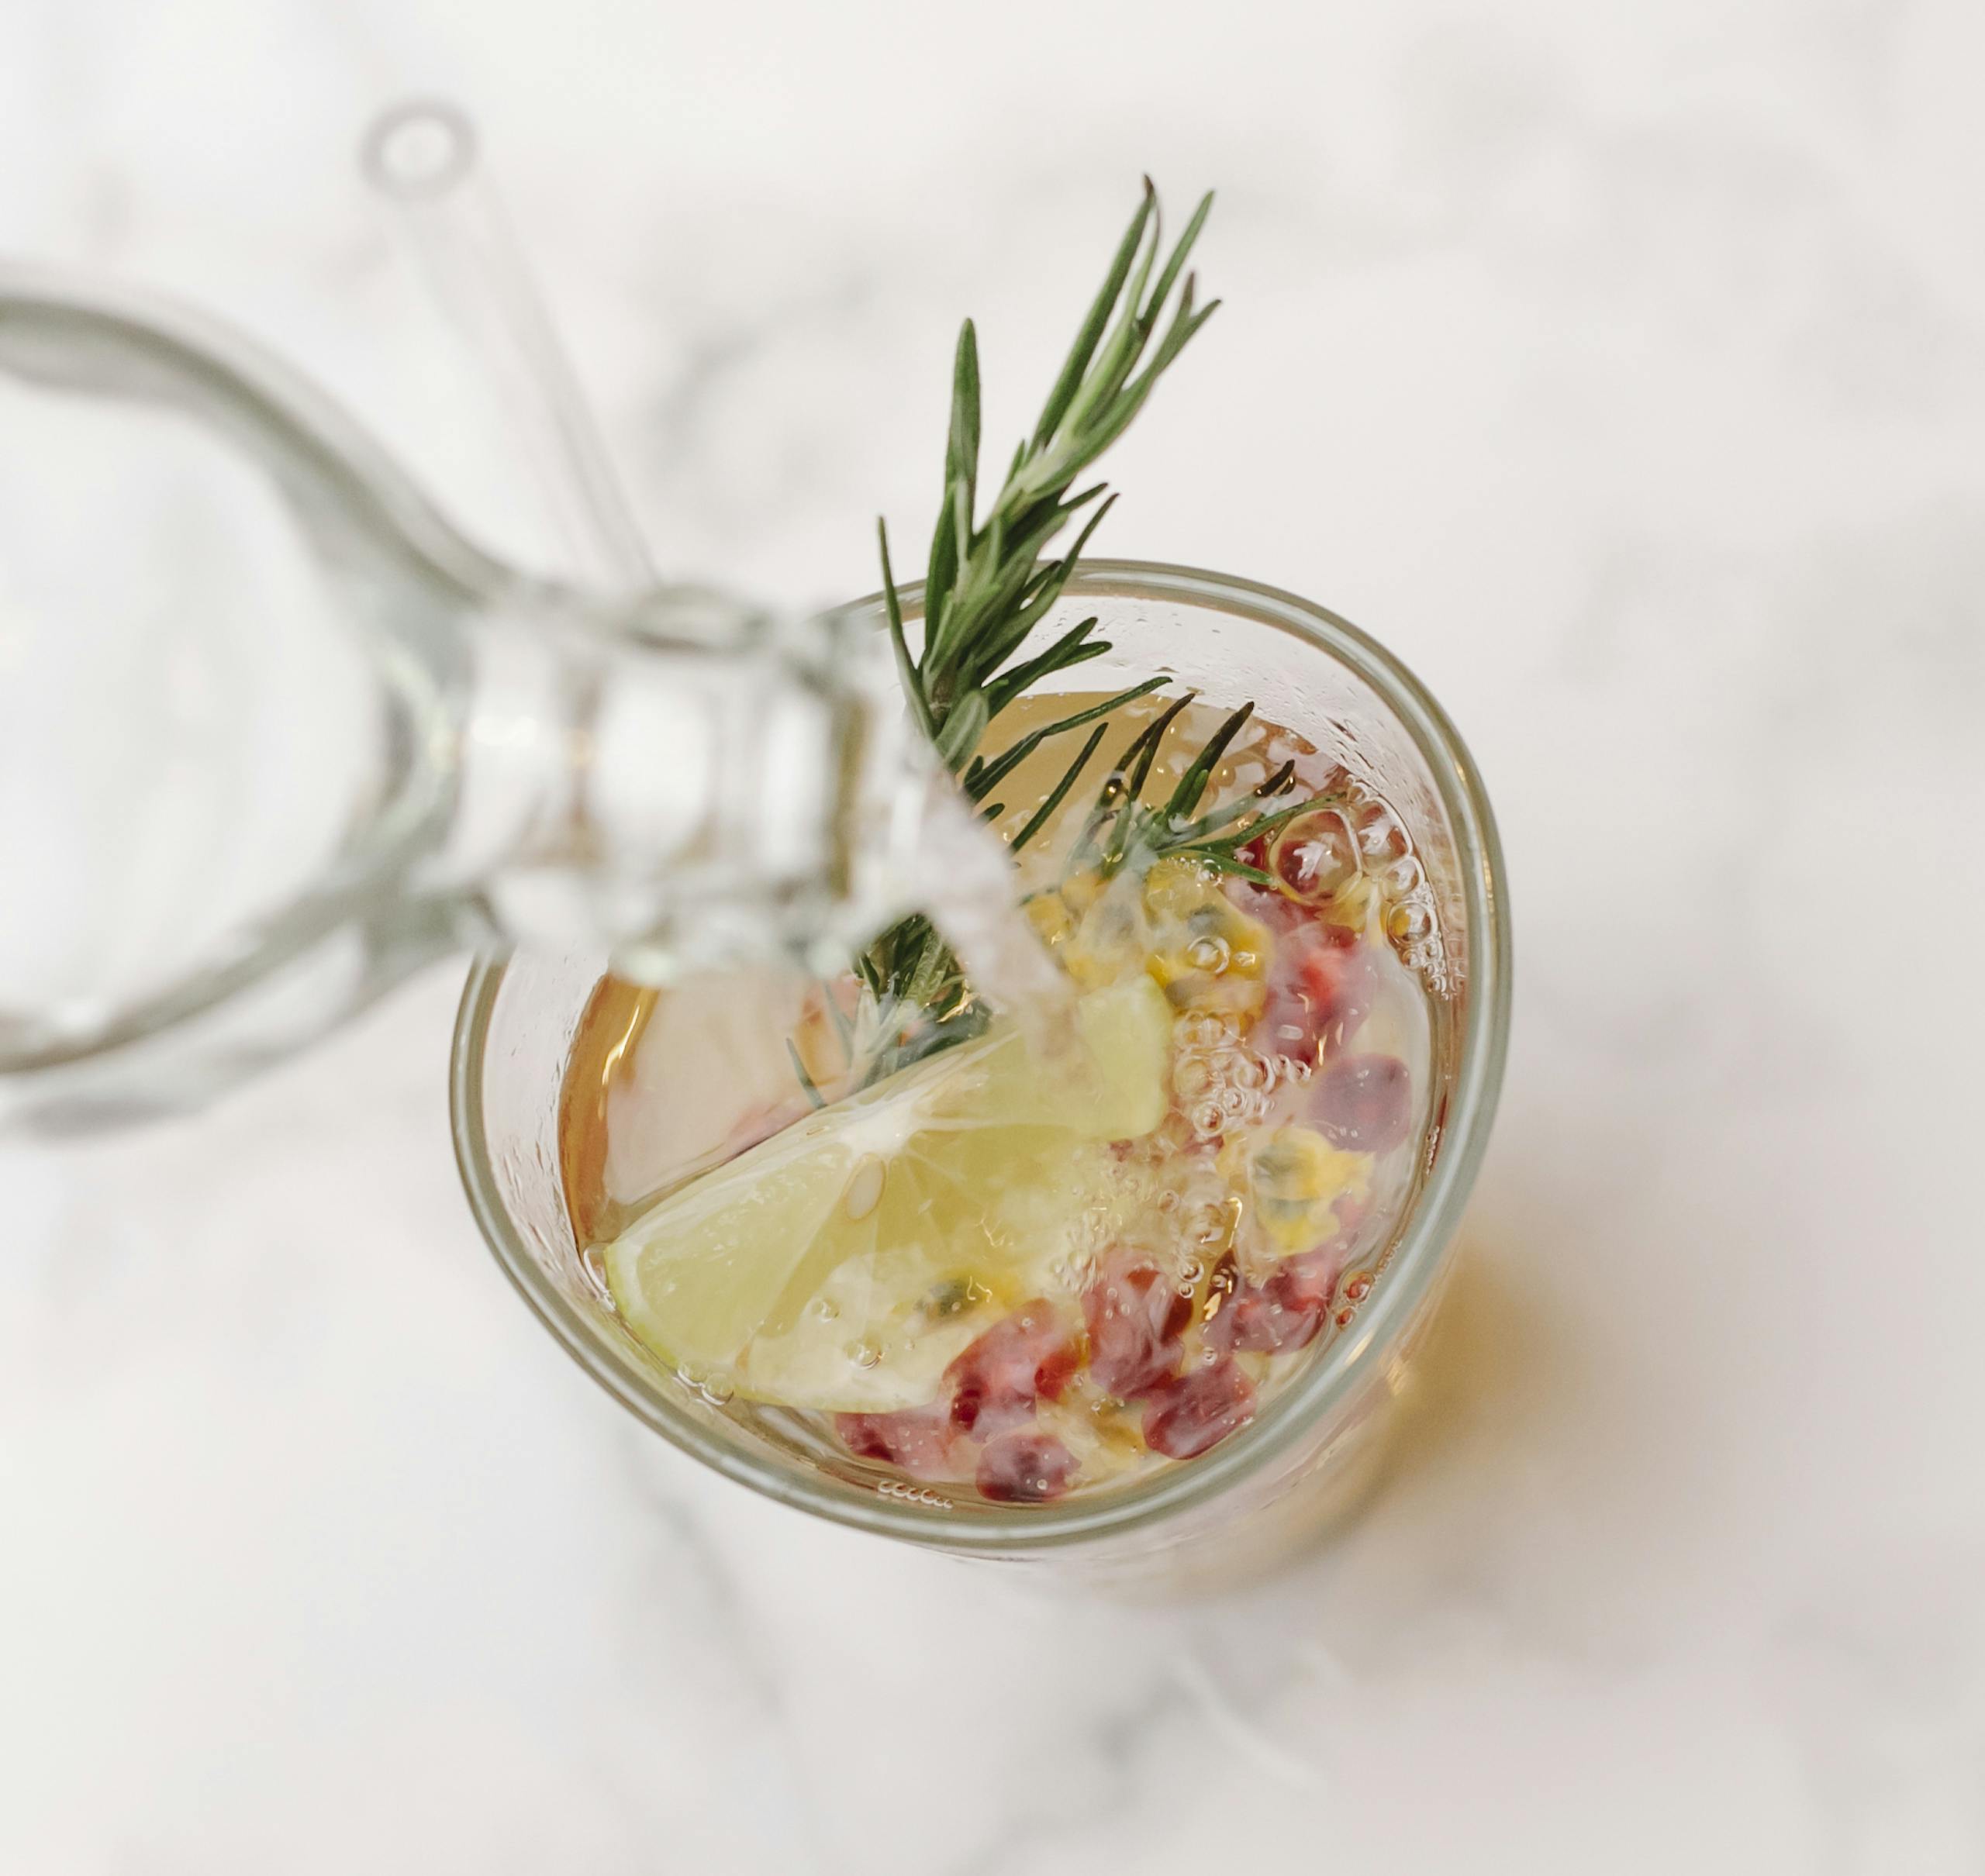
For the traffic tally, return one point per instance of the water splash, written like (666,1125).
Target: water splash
(966,880)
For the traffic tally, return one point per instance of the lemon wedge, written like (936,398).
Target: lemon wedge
(844,1264)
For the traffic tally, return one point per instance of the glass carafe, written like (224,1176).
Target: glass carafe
(273,733)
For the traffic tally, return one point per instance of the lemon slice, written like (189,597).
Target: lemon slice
(844,1264)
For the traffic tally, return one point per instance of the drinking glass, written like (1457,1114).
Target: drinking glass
(1318,1441)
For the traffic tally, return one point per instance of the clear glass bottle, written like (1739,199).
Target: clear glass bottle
(273,733)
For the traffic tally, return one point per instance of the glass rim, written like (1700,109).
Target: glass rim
(1416,1257)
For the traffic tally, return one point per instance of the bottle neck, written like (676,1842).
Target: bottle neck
(682,783)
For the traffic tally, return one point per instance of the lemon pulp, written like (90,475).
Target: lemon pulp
(843,1264)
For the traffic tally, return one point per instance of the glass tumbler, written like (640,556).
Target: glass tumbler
(1317,1443)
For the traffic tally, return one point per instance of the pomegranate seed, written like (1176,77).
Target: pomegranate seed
(1282,1311)
(1026,1467)
(920,1440)
(1320,988)
(1364,1102)
(1198,1410)
(1135,1318)
(1031,1356)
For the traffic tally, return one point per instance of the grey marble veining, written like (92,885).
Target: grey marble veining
(1623,367)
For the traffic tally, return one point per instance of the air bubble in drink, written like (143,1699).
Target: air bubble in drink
(1380,837)
(1404,877)
(1201,1032)
(1211,954)
(1316,854)
(1410,922)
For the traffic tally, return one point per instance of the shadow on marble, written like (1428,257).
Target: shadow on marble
(1497,1373)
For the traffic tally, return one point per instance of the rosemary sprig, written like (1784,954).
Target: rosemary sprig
(989,583)
(986,584)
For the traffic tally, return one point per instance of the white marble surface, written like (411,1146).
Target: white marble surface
(1624,366)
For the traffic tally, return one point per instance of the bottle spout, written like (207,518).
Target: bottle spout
(708,787)
(689,782)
